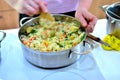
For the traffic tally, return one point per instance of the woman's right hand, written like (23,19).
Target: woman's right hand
(32,7)
(29,7)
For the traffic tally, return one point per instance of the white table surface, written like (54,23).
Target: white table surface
(98,65)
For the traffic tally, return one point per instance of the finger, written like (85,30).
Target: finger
(27,9)
(87,15)
(81,19)
(93,21)
(90,28)
(42,5)
(91,24)
(34,5)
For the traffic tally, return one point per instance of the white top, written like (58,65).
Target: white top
(61,6)
(54,6)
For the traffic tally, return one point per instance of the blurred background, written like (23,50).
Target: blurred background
(9,17)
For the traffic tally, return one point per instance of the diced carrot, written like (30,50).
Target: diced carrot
(74,44)
(45,43)
(32,38)
(27,43)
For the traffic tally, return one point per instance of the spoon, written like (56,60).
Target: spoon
(97,39)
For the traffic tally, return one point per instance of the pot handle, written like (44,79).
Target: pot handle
(88,46)
(24,19)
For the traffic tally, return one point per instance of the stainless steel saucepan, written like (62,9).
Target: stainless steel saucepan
(54,59)
(113,18)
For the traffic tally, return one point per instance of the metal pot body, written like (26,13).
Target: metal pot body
(112,25)
(52,59)
(113,21)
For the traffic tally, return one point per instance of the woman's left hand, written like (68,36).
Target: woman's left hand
(87,19)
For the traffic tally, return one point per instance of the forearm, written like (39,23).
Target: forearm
(85,3)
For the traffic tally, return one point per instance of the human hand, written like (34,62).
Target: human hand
(87,19)
(32,7)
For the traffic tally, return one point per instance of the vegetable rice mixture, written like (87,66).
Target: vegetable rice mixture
(52,36)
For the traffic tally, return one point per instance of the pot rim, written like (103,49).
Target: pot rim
(112,5)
